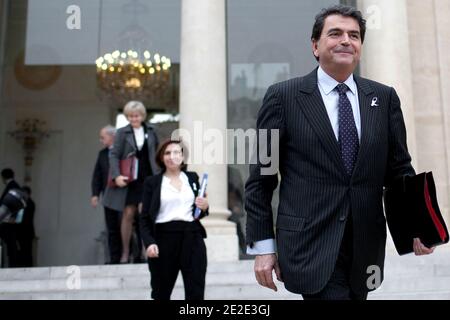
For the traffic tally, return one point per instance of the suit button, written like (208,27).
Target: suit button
(342,218)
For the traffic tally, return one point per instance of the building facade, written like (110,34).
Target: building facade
(224,55)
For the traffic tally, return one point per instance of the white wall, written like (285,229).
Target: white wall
(61,172)
(65,223)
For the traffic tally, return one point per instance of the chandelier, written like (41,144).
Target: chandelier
(29,133)
(131,75)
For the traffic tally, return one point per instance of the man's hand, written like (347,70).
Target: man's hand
(420,249)
(264,264)
(94,201)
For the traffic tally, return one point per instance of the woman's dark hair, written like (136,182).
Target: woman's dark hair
(342,10)
(162,149)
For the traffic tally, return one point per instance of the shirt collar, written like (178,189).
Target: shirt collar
(328,84)
(182,176)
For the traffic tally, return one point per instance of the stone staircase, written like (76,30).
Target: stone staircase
(413,277)
(407,277)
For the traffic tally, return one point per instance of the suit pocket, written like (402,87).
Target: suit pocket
(290,223)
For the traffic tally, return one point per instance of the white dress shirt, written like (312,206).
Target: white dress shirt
(139,136)
(330,99)
(176,205)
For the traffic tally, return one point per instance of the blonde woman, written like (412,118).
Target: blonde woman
(136,139)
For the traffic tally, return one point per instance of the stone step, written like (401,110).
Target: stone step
(408,265)
(407,277)
(94,271)
(422,295)
(227,293)
(117,283)
(230,292)
(390,284)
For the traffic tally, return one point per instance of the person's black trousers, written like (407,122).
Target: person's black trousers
(338,287)
(8,233)
(112,219)
(25,252)
(181,248)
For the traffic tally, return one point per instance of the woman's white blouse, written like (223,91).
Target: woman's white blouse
(139,136)
(176,205)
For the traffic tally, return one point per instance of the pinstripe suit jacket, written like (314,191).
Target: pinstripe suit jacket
(316,195)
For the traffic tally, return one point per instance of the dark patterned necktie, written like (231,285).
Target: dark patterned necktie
(348,135)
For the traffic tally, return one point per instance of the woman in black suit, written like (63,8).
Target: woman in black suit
(137,139)
(171,235)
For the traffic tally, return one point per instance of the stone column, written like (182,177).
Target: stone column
(431,47)
(386,54)
(442,13)
(386,59)
(203,114)
(3,25)
(3,118)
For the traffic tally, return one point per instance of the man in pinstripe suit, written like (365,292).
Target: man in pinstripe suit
(342,138)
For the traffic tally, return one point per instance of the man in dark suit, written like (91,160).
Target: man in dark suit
(342,138)
(8,231)
(99,181)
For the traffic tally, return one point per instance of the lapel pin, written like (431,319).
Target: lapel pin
(374,102)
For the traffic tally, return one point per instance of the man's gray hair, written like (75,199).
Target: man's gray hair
(109,129)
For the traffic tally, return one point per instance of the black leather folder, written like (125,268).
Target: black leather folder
(412,211)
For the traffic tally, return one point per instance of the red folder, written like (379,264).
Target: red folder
(128,167)
(412,211)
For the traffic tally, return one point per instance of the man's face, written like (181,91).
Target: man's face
(106,139)
(339,44)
